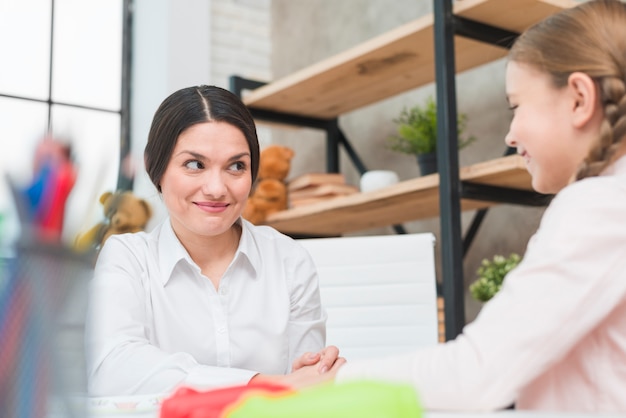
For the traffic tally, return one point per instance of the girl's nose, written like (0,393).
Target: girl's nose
(509,140)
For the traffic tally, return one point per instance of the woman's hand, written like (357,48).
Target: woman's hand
(325,359)
(310,369)
(310,375)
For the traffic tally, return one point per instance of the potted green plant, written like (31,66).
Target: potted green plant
(417,134)
(491,274)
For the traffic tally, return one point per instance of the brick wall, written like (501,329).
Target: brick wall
(240,40)
(241,44)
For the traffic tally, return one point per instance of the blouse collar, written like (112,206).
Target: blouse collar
(171,251)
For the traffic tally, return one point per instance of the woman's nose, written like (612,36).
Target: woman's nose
(213,184)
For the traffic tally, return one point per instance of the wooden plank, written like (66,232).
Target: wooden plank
(402,202)
(394,62)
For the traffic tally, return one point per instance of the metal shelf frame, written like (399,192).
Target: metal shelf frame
(451,190)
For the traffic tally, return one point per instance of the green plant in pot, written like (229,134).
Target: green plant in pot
(491,275)
(417,134)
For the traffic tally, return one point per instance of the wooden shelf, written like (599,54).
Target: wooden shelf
(394,62)
(405,201)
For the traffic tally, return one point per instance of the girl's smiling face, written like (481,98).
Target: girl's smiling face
(207,180)
(543,128)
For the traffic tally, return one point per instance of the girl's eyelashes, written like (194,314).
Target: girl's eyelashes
(512,108)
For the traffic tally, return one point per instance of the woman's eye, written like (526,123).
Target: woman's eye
(238,166)
(194,165)
(512,108)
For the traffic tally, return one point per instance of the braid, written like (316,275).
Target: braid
(612,130)
(588,38)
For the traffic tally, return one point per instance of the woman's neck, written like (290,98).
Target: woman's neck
(214,254)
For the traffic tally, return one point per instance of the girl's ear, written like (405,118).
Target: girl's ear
(585,95)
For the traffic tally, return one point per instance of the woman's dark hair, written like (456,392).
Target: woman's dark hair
(190,106)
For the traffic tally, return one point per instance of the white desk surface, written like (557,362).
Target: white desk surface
(147,406)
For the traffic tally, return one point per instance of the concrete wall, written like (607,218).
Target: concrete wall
(304,32)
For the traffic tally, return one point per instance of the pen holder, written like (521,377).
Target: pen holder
(43,297)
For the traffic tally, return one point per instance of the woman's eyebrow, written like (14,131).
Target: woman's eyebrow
(193,154)
(239,156)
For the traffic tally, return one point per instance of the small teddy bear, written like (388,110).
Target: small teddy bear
(123,211)
(270,192)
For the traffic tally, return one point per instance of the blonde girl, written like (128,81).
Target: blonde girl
(554,338)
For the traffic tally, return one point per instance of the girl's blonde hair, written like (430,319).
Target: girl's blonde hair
(589,38)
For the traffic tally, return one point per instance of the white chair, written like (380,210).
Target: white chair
(379,292)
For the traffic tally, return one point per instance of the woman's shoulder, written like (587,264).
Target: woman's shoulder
(129,246)
(265,237)
(265,232)
(132,240)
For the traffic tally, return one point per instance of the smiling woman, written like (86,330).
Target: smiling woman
(206,298)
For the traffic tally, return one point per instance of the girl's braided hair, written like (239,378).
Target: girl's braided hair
(589,38)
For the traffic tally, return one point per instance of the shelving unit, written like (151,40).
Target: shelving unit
(462,36)
(409,200)
(396,61)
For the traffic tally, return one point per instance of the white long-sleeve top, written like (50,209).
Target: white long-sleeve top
(554,337)
(155,322)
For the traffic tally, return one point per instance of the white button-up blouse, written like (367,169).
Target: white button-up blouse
(155,322)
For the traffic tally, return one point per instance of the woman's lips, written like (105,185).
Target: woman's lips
(212,207)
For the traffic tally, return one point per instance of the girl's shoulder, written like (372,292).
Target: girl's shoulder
(599,190)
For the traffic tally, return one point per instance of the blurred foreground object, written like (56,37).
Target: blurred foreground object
(54,177)
(43,300)
(363,399)
(43,297)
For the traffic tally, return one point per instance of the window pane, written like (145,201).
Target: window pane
(22,125)
(25,47)
(87,60)
(95,139)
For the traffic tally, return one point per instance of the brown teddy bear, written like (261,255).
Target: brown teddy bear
(270,193)
(123,212)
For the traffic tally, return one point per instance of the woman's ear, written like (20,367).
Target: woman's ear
(585,94)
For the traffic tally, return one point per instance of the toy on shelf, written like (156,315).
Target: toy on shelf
(123,211)
(270,192)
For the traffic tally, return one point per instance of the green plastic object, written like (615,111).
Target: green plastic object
(359,399)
